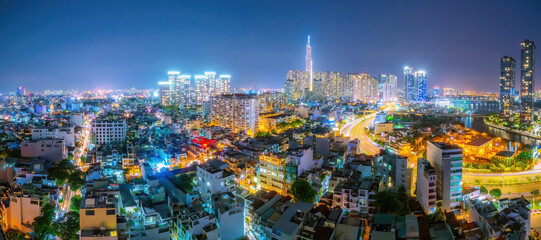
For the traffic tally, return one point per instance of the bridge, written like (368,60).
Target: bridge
(472,115)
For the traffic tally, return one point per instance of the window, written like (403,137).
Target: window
(89,212)
(111,212)
(33,202)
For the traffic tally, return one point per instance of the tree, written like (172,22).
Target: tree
(76,180)
(303,191)
(68,227)
(15,235)
(496,193)
(535,193)
(386,202)
(483,190)
(435,217)
(75,204)
(43,224)
(61,171)
(186,182)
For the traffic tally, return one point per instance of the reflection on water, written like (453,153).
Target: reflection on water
(479,125)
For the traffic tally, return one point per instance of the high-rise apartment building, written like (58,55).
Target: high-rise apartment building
(409,85)
(185,90)
(365,88)
(527,80)
(164,90)
(426,185)
(239,112)
(420,86)
(447,160)
(507,85)
(174,87)
(223,84)
(387,87)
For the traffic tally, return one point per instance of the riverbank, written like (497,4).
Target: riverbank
(515,131)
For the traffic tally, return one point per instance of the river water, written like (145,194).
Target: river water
(479,125)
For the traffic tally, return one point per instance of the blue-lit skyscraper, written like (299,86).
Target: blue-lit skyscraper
(409,84)
(420,86)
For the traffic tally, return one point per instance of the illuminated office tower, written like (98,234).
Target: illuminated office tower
(387,87)
(527,83)
(420,86)
(239,112)
(224,84)
(308,63)
(409,85)
(164,92)
(507,85)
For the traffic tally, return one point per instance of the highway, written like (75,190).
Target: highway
(356,130)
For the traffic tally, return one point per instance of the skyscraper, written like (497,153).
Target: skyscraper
(164,92)
(308,62)
(387,87)
(409,85)
(527,78)
(172,77)
(185,90)
(507,85)
(420,86)
(224,84)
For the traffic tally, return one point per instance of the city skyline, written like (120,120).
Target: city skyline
(123,51)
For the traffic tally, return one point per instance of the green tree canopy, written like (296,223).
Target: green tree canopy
(435,217)
(483,190)
(61,171)
(496,192)
(386,202)
(68,227)
(75,204)
(76,180)
(65,171)
(303,191)
(15,235)
(186,182)
(43,224)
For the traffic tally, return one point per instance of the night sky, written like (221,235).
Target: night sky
(123,44)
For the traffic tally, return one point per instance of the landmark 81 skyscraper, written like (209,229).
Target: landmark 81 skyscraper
(308,60)
(507,85)
(527,80)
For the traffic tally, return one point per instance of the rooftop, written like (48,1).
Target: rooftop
(479,142)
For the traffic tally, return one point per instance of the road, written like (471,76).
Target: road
(356,130)
(67,193)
